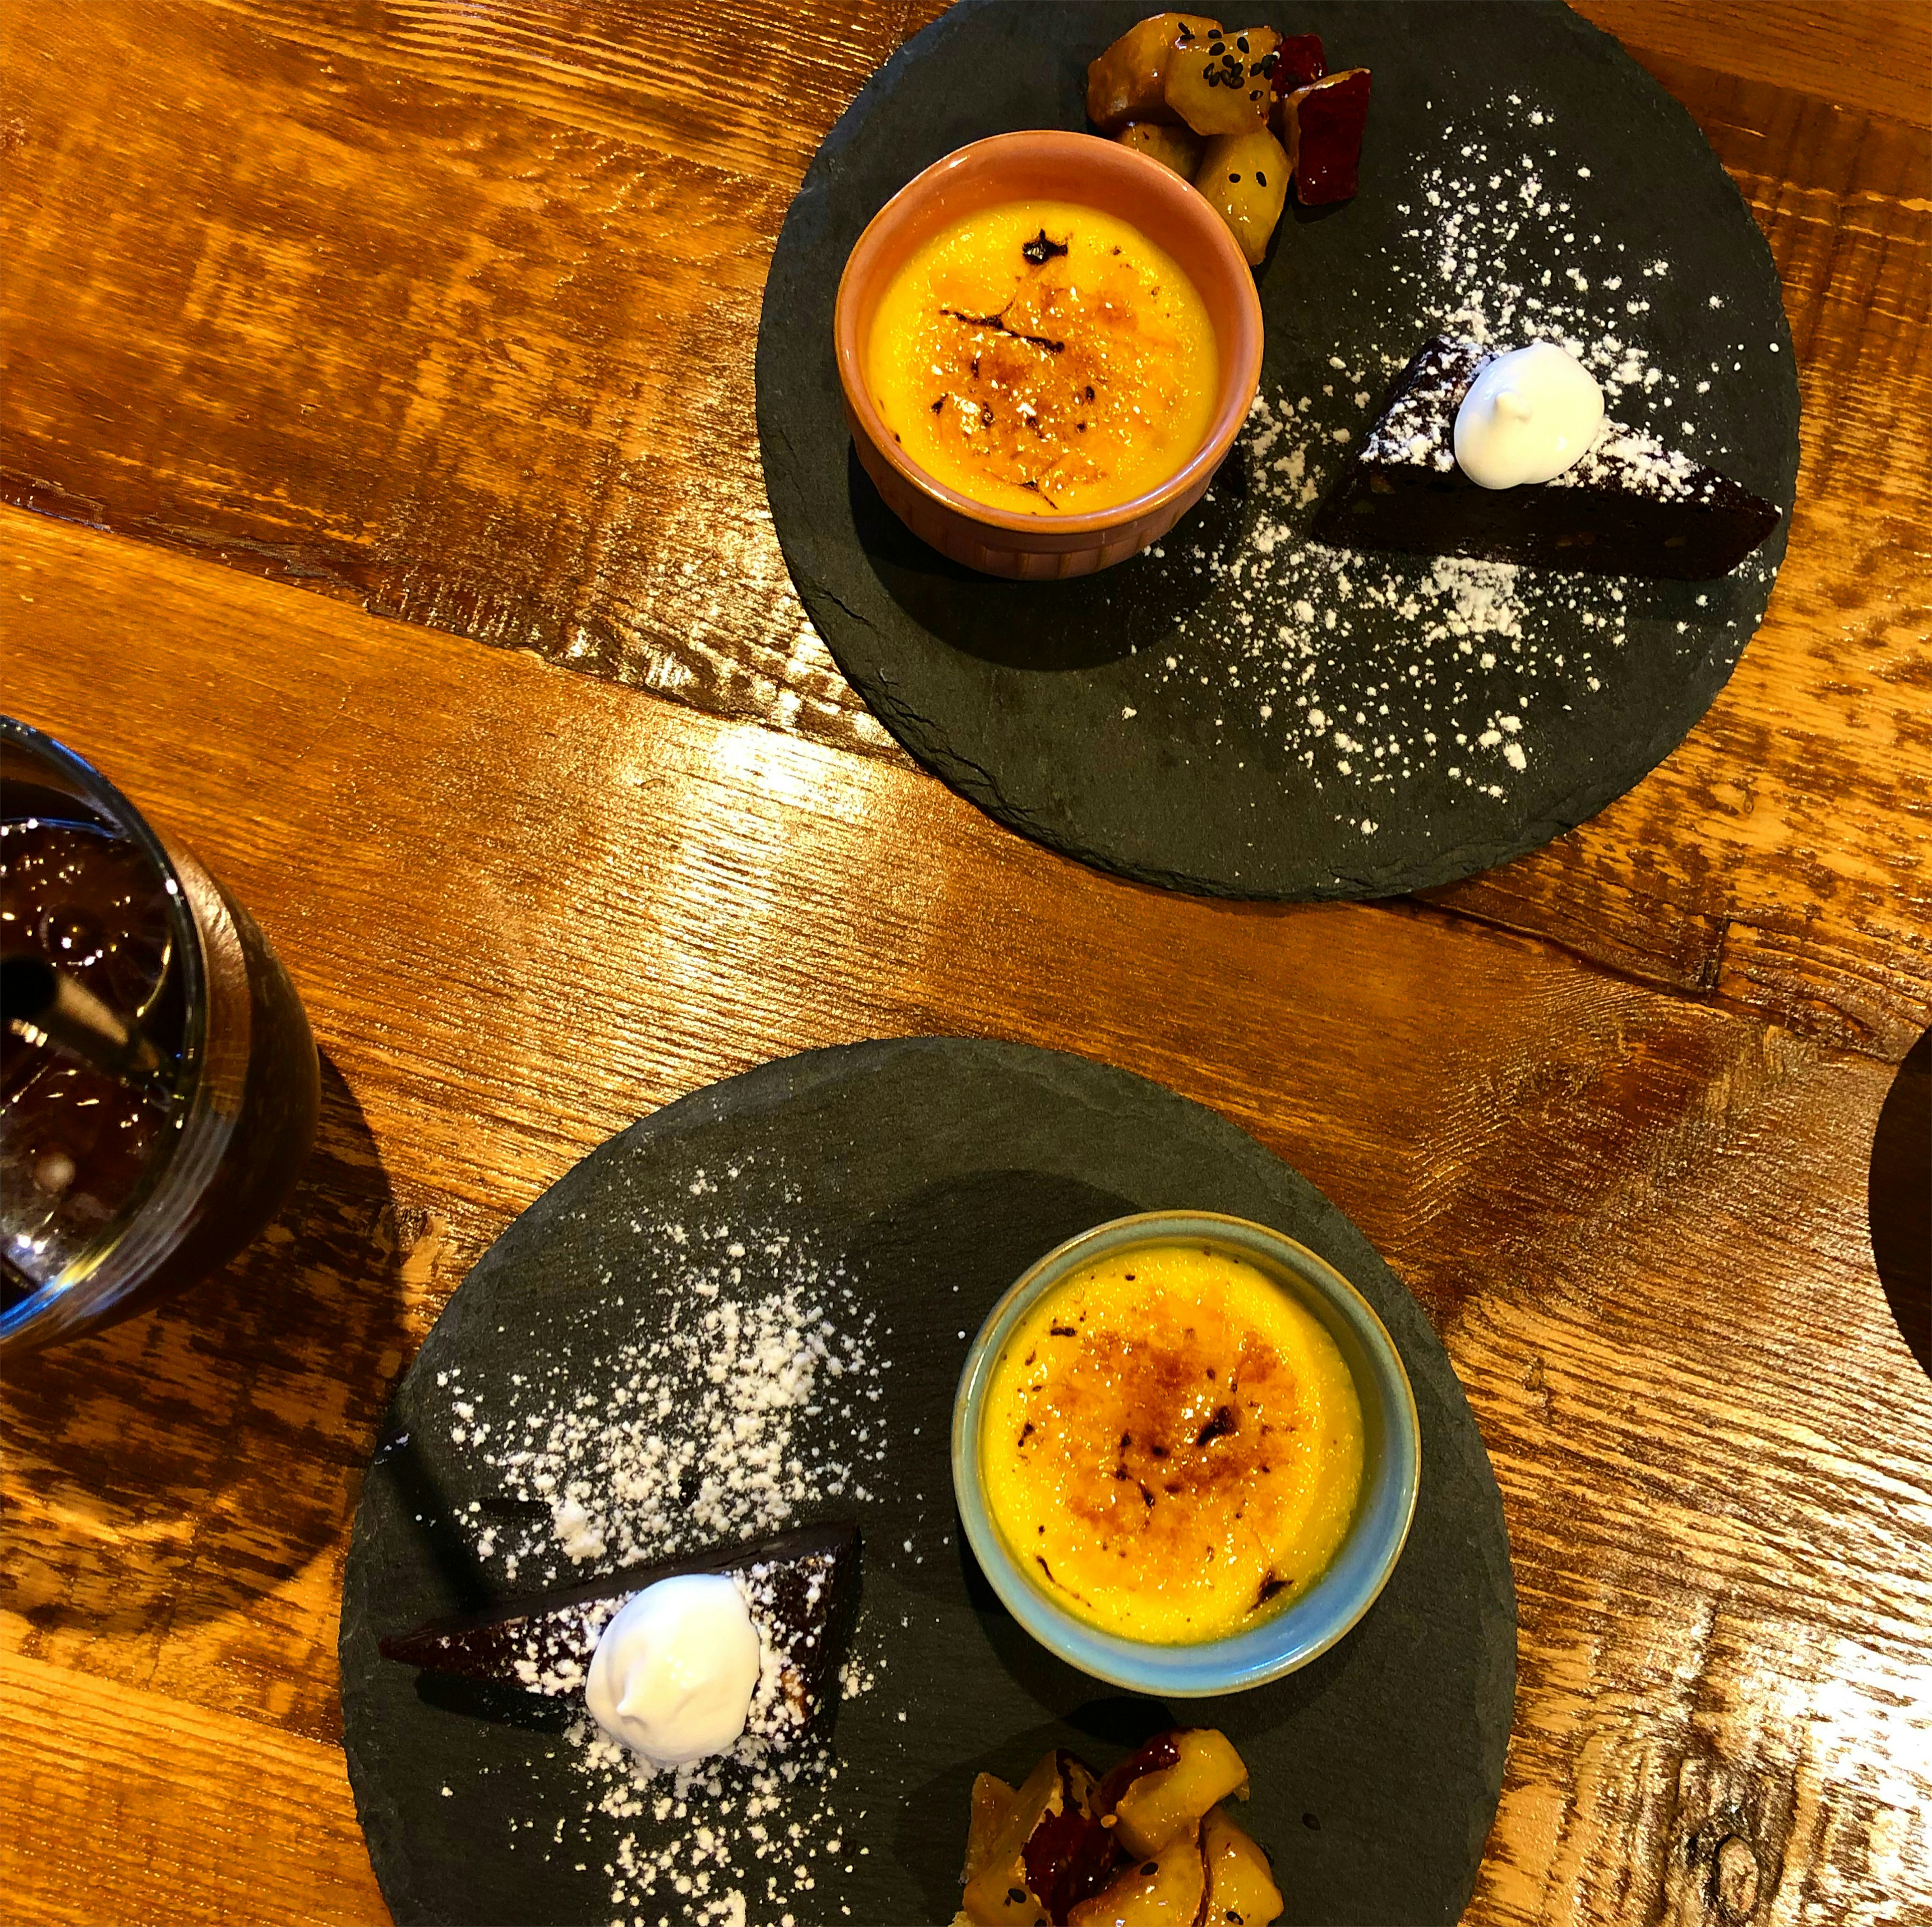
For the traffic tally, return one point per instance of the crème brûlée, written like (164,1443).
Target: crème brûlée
(1044,357)
(1171,1444)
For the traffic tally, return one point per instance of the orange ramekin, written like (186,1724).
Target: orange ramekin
(1048,165)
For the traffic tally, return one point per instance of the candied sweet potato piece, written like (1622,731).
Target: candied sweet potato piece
(1163,1890)
(1069,1853)
(1178,148)
(1245,176)
(992,1803)
(1321,127)
(1299,61)
(1158,1807)
(1152,1755)
(996,1893)
(1049,1849)
(1128,82)
(1224,84)
(1241,1892)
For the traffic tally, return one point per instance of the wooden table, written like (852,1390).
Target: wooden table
(386,518)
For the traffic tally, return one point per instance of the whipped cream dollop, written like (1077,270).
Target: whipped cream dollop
(1528,416)
(673,1674)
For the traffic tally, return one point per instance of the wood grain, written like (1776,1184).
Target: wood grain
(180,1800)
(524,907)
(454,321)
(343,335)
(1871,56)
(449,314)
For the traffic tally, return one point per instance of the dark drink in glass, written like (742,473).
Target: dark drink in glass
(158,1083)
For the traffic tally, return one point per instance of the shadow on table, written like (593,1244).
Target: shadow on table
(177,1466)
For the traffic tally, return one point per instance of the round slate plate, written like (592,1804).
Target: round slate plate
(933,1171)
(1190,719)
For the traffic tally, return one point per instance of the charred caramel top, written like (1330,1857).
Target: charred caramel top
(1044,357)
(1172,1446)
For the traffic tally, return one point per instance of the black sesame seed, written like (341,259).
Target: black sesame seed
(1254,93)
(1218,48)
(1242,42)
(1270,61)
(1261,179)
(1212,77)
(939,404)
(1090,391)
(1234,177)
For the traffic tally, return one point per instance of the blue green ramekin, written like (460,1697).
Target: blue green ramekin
(1391,1469)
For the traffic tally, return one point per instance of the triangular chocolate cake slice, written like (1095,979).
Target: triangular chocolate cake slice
(801,1587)
(1630,507)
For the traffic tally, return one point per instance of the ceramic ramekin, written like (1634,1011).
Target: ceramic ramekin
(1392,1464)
(1048,165)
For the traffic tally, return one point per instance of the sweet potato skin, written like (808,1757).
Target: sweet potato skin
(1321,126)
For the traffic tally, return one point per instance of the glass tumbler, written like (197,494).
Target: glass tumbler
(159,1085)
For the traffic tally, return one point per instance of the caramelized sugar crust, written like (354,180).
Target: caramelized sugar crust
(1044,357)
(1178,1444)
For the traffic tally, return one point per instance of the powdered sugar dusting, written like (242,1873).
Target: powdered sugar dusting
(1639,460)
(1374,671)
(748,1402)
(700,1443)
(1341,651)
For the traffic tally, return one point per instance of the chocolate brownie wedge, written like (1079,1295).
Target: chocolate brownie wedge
(801,1587)
(1630,507)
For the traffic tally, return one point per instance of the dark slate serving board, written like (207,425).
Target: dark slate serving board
(1056,708)
(936,1169)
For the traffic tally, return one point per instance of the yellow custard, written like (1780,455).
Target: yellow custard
(1044,357)
(1171,1446)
